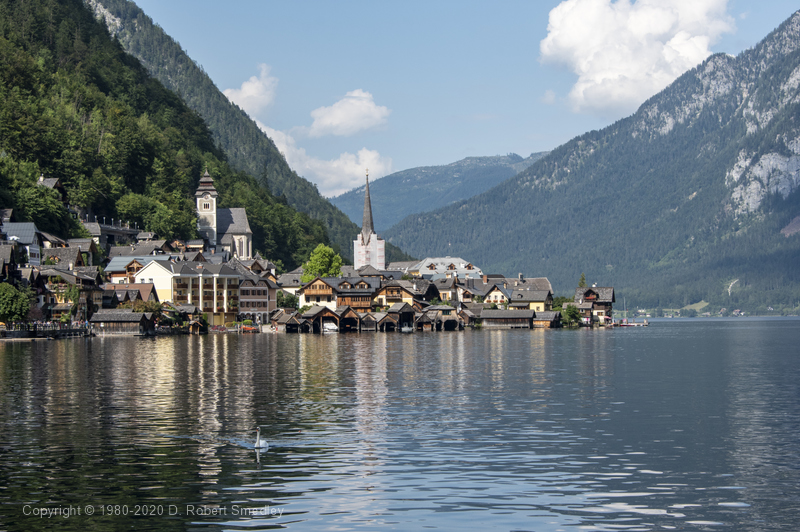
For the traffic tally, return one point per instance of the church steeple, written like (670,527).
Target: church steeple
(366,226)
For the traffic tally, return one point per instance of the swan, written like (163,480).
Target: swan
(260,444)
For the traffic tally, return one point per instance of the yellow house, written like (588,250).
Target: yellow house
(538,300)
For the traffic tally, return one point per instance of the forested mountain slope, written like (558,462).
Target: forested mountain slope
(75,106)
(683,201)
(247,147)
(426,188)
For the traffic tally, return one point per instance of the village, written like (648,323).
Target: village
(127,281)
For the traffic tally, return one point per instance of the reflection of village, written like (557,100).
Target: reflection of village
(217,278)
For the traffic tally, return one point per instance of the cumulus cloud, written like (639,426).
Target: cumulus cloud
(623,52)
(355,112)
(334,176)
(255,94)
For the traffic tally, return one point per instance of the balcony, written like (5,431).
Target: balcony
(318,292)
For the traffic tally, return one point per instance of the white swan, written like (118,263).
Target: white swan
(260,444)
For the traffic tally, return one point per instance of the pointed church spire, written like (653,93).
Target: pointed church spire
(366,226)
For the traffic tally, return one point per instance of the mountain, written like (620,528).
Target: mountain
(247,147)
(426,188)
(74,106)
(691,198)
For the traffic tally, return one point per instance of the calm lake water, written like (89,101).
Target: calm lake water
(684,425)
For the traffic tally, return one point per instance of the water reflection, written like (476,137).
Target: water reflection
(681,425)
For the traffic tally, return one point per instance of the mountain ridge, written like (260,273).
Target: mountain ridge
(248,148)
(687,193)
(426,188)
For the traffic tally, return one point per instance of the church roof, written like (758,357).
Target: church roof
(231,222)
(367,228)
(206,185)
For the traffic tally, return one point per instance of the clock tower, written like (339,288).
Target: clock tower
(206,197)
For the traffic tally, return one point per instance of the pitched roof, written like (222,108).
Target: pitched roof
(25,232)
(49,182)
(63,256)
(522,296)
(119,316)
(232,222)
(605,294)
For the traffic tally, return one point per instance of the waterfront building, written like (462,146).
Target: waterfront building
(213,288)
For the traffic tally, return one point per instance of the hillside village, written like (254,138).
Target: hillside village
(124,280)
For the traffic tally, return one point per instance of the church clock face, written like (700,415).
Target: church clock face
(206,196)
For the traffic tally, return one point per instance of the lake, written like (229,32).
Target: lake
(683,425)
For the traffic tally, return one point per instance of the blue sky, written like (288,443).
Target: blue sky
(341,86)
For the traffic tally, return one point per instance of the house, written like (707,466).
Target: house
(439,318)
(322,318)
(538,300)
(498,295)
(258,296)
(124,322)
(214,288)
(54,183)
(595,303)
(8,261)
(106,236)
(318,292)
(441,265)
(63,257)
(65,289)
(547,319)
(403,314)
(357,292)
(507,319)
(414,293)
(125,269)
(27,237)
(291,282)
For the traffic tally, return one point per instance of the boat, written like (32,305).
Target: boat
(330,327)
(406,329)
(633,323)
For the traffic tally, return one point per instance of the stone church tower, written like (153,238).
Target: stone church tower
(206,196)
(368,247)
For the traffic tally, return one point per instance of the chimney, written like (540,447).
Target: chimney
(521,279)
(485,278)
(41,178)
(71,266)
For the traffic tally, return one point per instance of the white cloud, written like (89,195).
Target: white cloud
(623,52)
(335,176)
(353,113)
(256,94)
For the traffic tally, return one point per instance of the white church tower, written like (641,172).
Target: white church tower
(368,248)
(206,196)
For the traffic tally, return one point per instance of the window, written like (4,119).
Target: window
(206,206)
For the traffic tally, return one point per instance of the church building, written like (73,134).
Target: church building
(225,229)
(368,247)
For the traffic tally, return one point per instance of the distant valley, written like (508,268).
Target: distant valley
(426,188)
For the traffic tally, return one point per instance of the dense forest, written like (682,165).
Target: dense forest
(75,106)
(247,147)
(426,188)
(670,206)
